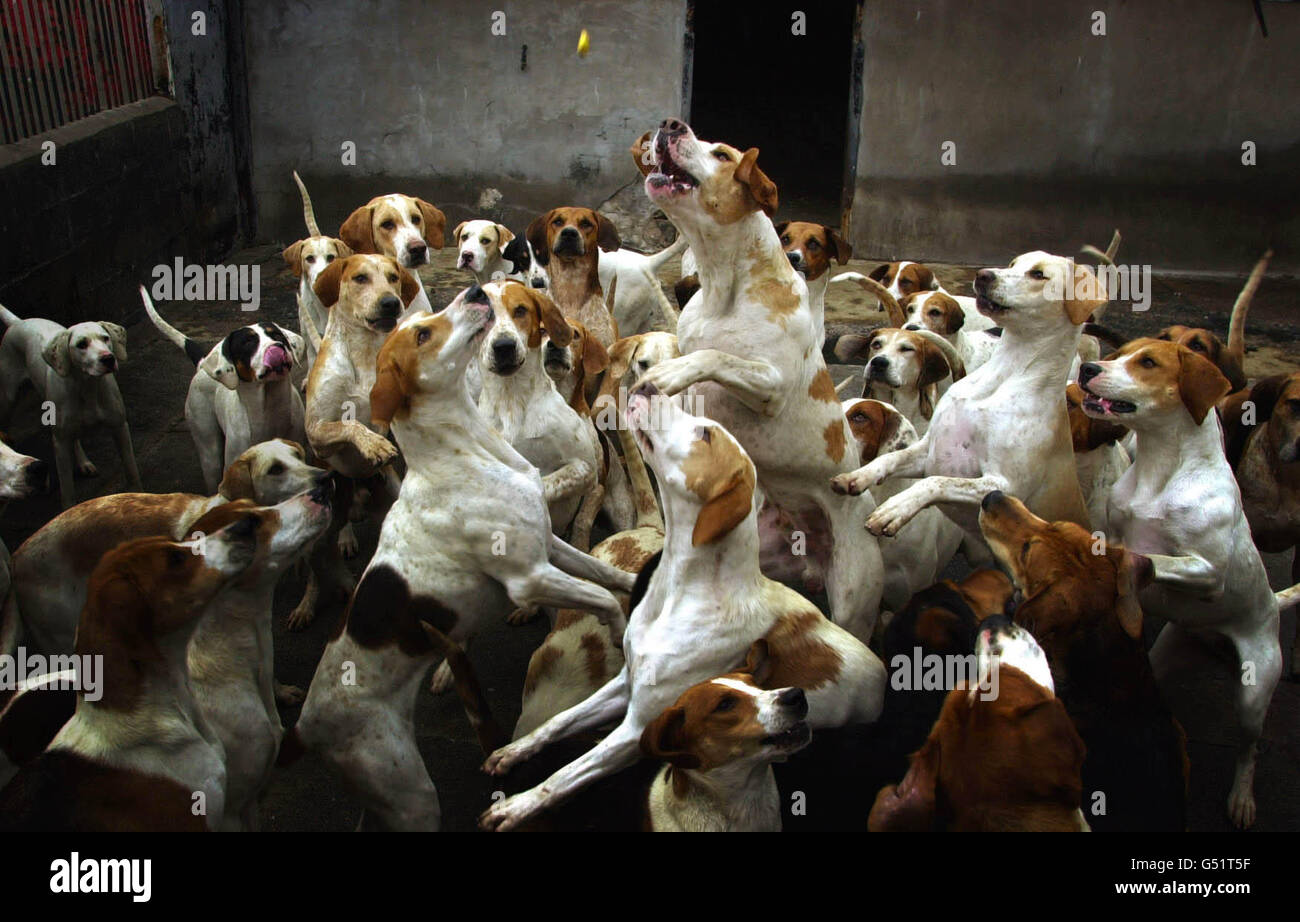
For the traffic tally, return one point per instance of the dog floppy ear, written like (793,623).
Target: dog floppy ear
(1089,295)
(1200,383)
(725,481)
(455,235)
(297,345)
(1133,576)
(665,739)
(852,346)
(780,227)
(840,249)
(237,481)
(641,156)
(606,234)
(435,222)
(934,366)
(536,236)
(358,231)
(219,368)
(117,339)
(504,235)
(760,187)
(909,806)
(56,354)
(758,662)
(328,282)
(293,256)
(548,318)
(879,273)
(594,357)
(410,286)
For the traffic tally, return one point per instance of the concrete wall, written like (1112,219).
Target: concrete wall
(441,108)
(130,188)
(1062,135)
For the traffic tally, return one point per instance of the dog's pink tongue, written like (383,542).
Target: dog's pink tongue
(276,357)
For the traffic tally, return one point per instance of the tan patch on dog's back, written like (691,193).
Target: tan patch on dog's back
(540,666)
(835,440)
(593,657)
(777,296)
(797,656)
(822,387)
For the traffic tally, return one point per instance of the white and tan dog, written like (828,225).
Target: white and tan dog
(242,392)
(307,258)
(939,312)
(399,227)
(448,556)
(72,368)
(480,249)
(752,360)
(639,304)
(1005,426)
(907,369)
(719,740)
(811,249)
(705,605)
(1179,507)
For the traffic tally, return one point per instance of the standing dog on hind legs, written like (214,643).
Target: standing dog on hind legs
(74,369)
(447,557)
(752,360)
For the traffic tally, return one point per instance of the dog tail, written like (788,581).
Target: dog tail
(895,312)
(308,213)
(8,316)
(955,364)
(1288,597)
(1107,258)
(655,260)
(1237,323)
(643,494)
(194,350)
(309,328)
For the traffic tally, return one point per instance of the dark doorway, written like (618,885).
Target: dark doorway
(756,84)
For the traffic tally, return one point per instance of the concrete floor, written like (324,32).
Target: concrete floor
(307,796)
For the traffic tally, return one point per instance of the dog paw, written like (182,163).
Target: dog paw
(442,680)
(506,814)
(289,695)
(1241,806)
(850,484)
(301,616)
(505,758)
(348,544)
(672,376)
(890,517)
(522,615)
(376,449)
(87,469)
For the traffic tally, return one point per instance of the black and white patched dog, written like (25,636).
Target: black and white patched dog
(241,393)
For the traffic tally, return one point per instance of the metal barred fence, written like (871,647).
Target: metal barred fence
(62,60)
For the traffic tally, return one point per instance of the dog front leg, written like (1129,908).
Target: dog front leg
(758,385)
(898,510)
(574,477)
(122,436)
(606,704)
(63,452)
(1190,573)
(550,585)
(577,563)
(906,462)
(612,754)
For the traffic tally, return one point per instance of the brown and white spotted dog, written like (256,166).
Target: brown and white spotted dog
(940,313)
(719,740)
(307,258)
(902,368)
(567,242)
(400,227)
(811,249)
(439,567)
(705,605)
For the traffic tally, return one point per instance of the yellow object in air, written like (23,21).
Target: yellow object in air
(584,43)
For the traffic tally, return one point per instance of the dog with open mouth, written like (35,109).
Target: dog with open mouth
(751,357)
(1178,505)
(242,392)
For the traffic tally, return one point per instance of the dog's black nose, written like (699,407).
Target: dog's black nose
(476,295)
(672,126)
(1088,371)
(794,699)
(984,277)
(569,232)
(390,306)
(911,326)
(539,282)
(36,473)
(993,496)
(995,624)
(503,352)
(417,250)
(879,362)
(795,258)
(108,361)
(323,492)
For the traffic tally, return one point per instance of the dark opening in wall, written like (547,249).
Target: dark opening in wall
(755,83)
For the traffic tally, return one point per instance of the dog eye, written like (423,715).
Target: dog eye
(858,418)
(558,222)
(722,155)
(1147,362)
(483,240)
(362,279)
(422,336)
(814,245)
(1037,274)
(934,313)
(906,349)
(1024,549)
(724,705)
(393,279)
(521,311)
(876,345)
(276,469)
(388,225)
(329,258)
(415,219)
(311,259)
(82,343)
(1197,346)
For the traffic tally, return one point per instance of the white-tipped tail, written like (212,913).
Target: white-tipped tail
(165,328)
(8,316)
(658,259)
(308,213)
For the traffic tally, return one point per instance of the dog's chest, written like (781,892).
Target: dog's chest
(98,402)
